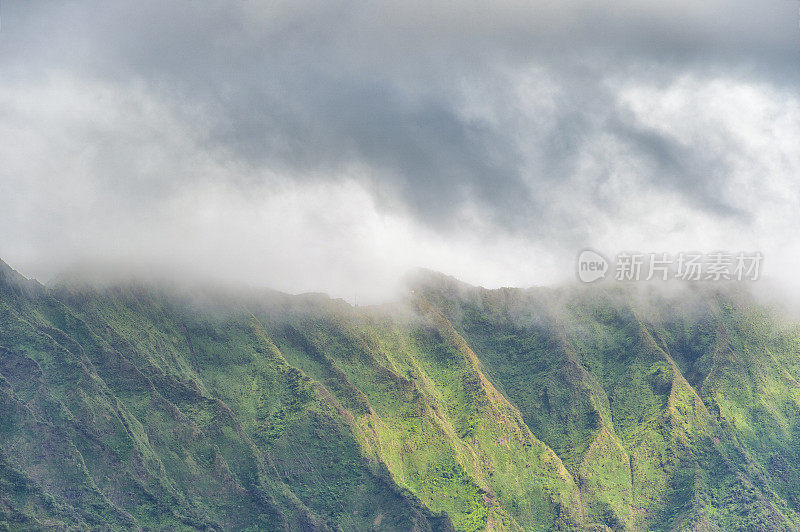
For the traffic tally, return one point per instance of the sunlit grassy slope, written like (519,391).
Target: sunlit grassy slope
(140,406)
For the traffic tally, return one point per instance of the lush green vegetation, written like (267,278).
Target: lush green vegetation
(139,406)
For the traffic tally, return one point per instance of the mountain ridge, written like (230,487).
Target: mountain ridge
(455,408)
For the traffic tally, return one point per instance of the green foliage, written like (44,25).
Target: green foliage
(460,408)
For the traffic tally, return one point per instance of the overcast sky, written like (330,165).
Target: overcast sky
(333,145)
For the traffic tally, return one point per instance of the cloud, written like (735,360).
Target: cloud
(491,141)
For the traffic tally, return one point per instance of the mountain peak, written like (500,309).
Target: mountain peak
(11,277)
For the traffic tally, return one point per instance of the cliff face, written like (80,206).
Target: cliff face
(459,408)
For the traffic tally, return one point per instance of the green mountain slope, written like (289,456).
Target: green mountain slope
(140,406)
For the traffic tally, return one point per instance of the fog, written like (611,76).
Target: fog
(333,146)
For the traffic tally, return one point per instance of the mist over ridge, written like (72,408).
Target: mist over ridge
(328,266)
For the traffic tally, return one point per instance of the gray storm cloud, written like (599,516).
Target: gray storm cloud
(328,145)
